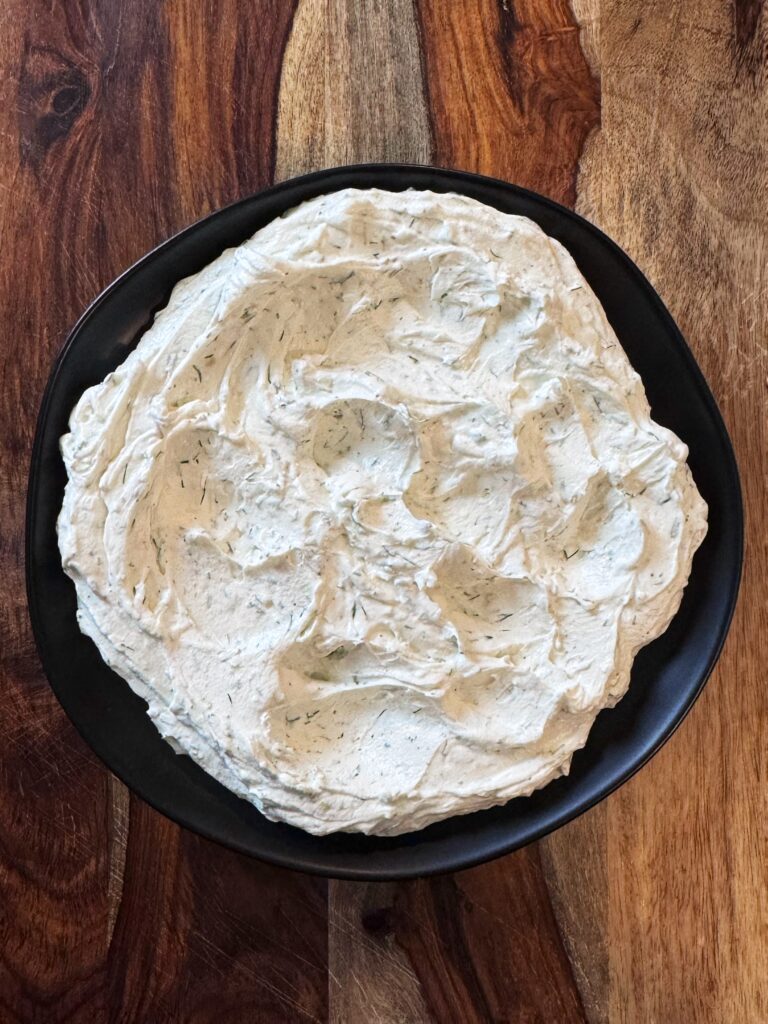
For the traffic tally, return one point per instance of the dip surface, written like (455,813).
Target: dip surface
(375,517)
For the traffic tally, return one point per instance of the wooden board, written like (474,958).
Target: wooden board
(122,121)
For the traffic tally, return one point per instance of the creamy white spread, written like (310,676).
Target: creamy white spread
(375,517)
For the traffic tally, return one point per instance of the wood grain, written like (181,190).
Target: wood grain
(352,87)
(206,935)
(120,122)
(678,176)
(510,91)
(482,945)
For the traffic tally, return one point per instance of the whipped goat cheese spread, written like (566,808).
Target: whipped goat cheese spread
(375,517)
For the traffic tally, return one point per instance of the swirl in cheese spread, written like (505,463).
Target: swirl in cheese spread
(375,516)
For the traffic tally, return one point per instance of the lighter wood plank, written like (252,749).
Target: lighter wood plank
(586,14)
(352,88)
(678,176)
(370,977)
(576,871)
(352,91)
(119,823)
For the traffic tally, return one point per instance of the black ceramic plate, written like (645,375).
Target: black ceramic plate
(668,674)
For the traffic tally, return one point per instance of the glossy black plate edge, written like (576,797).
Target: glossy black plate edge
(324,177)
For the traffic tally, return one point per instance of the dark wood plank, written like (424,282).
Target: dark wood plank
(205,935)
(121,122)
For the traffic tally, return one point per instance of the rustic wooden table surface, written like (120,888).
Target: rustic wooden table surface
(123,120)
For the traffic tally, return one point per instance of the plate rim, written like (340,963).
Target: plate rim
(312,864)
